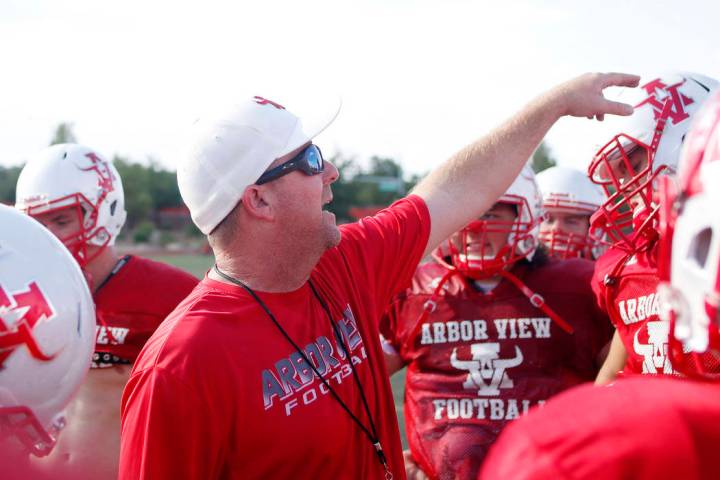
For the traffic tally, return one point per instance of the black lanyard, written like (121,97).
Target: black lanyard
(372,435)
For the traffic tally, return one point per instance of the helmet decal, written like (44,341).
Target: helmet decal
(27,308)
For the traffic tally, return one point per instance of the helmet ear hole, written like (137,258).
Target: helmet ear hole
(700,247)
(113,205)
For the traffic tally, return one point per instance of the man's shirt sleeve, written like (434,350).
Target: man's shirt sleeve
(167,431)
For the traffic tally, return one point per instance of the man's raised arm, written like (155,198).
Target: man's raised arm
(468,184)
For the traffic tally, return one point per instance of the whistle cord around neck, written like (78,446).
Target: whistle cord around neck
(371,435)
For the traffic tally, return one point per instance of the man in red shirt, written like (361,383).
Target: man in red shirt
(479,346)
(272,368)
(643,148)
(647,427)
(78,196)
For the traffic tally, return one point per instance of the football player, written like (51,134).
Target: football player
(47,329)
(569,198)
(661,427)
(78,196)
(642,149)
(491,330)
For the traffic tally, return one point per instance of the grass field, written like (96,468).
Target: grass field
(199,264)
(195,264)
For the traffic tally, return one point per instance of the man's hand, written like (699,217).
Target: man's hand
(412,470)
(583,96)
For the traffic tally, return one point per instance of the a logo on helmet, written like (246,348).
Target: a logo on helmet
(487,371)
(102,169)
(20,312)
(659,94)
(265,101)
(655,352)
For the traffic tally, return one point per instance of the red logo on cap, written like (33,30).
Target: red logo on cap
(265,101)
(659,94)
(29,307)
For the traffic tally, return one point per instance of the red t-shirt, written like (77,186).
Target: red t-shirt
(641,428)
(630,299)
(132,303)
(218,392)
(480,360)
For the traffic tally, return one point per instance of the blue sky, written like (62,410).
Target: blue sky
(418,79)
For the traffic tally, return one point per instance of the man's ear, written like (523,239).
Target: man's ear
(257,202)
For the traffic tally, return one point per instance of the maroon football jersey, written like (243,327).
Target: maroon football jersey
(626,287)
(136,298)
(480,360)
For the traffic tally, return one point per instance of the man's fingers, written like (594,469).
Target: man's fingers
(618,108)
(620,80)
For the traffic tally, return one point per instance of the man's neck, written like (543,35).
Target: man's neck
(266,272)
(100,267)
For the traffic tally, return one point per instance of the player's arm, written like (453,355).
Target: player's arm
(412,469)
(614,363)
(468,183)
(393,361)
(389,336)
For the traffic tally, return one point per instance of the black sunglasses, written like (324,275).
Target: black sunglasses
(309,161)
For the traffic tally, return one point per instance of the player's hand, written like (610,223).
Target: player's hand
(412,470)
(583,96)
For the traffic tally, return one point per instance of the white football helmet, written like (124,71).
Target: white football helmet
(690,249)
(74,176)
(468,257)
(47,332)
(664,107)
(569,191)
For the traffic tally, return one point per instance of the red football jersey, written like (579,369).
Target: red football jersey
(219,392)
(480,360)
(626,288)
(132,303)
(640,428)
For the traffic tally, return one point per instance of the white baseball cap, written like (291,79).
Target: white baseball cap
(228,152)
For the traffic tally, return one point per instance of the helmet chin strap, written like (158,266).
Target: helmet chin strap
(537,300)
(431,304)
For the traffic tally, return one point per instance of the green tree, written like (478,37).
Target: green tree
(8,180)
(148,188)
(385,167)
(163,186)
(378,186)
(542,158)
(344,189)
(63,134)
(136,180)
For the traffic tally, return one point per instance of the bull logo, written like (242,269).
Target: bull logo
(655,352)
(660,94)
(487,371)
(19,313)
